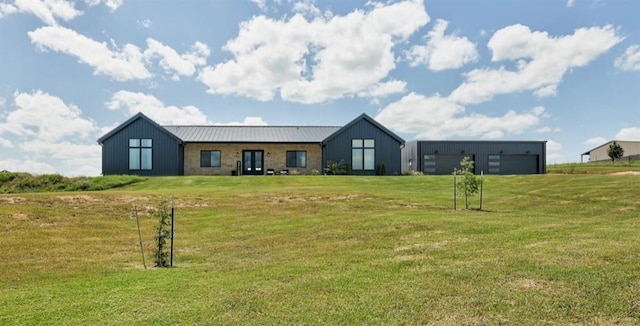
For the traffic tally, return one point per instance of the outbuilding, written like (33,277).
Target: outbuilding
(490,157)
(600,153)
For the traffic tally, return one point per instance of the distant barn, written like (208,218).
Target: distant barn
(631,151)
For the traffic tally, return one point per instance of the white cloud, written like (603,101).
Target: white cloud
(5,143)
(6,9)
(553,146)
(248,121)
(121,65)
(541,61)
(314,61)
(47,10)
(309,9)
(596,141)
(440,118)
(630,60)
(49,131)
(156,110)
(145,23)
(443,51)
(570,3)
(45,117)
(632,133)
(171,61)
(547,129)
(111,4)
(26,165)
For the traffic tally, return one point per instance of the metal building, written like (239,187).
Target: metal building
(490,157)
(631,151)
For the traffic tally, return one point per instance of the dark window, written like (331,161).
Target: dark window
(494,164)
(210,159)
(429,164)
(140,154)
(363,154)
(296,159)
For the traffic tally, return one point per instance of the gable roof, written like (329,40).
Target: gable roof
(621,142)
(131,120)
(371,121)
(251,134)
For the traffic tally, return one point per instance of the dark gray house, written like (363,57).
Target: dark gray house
(490,157)
(140,146)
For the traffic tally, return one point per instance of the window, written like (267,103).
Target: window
(140,154)
(296,159)
(363,154)
(209,159)
(494,164)
(429,164)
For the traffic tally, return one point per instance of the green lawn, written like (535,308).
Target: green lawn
(547,249)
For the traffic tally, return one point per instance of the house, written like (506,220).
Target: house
(490,157)
(141,146)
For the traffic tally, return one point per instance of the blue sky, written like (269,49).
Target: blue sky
(563,71)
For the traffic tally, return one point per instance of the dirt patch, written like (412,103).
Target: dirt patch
(78,198)
(625,173)
(12,200)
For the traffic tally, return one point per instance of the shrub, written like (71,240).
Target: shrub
(164,233)
(338,168)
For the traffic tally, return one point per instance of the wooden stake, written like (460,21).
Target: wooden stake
(140,237)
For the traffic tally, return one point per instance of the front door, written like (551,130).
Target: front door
(252,162)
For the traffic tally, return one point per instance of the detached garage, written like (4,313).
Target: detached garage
(490,157)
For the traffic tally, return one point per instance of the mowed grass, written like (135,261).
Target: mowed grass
(546,249)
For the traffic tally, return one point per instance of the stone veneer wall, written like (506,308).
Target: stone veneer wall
(230,153)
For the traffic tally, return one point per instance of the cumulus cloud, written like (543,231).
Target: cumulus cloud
(630,60)
(553,146)
(48,130)
(49,11)
(314,61)
(133,103)
(596,141)
(5,143)
(441,51)
(438,117)
(540,61)
(6,9)
(41,116)
(632,133)
(173,62)
(111,4)
(248,121)
(26,165)
(120,64)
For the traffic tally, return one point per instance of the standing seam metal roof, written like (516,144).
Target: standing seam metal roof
(252,134)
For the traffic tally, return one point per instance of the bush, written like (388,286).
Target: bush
(19,182)
(338,168)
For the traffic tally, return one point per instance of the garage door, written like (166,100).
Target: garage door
(519,164)
(442,163)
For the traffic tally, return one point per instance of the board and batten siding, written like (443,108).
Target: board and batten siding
(387,148)
(167,152)
(515,157)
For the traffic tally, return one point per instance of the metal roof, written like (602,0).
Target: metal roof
(252,134)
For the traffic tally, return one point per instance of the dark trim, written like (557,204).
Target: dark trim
(370,120)
(131,120)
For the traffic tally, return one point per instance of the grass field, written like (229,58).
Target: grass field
(546,249)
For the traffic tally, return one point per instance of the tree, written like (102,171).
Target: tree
(615,151)
(164,233)
(469,183)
